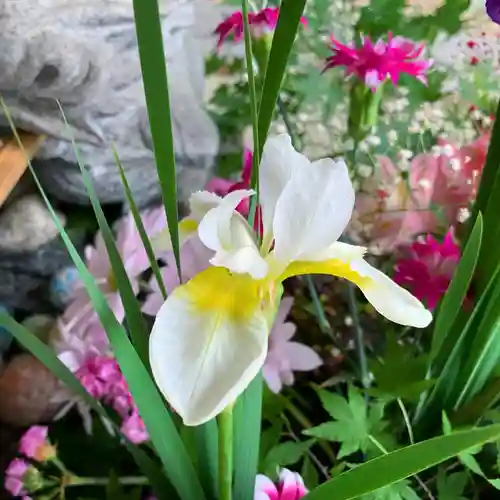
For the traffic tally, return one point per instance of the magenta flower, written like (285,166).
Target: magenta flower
(133,428)
(284,356)
(290,486)
(260,23)
(35,445)
(373,63)
(102,378)
(428,268)
(14,477)
(222,187)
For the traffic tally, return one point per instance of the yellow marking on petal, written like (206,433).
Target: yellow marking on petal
(216,290)
(333,267)
(161,242)
(188,226)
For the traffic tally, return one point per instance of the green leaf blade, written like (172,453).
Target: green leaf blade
(284,36)
(154,75)
(400,464)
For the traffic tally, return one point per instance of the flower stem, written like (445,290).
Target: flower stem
(103,481)
(225,423)
(359,337)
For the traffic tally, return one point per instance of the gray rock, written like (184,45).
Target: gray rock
(85,55)
(26,275)
(26,224)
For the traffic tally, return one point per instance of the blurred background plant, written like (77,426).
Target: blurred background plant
(342,385)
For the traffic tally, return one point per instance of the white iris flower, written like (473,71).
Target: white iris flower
(210,337)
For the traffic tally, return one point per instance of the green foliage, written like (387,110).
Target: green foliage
(397,491)
(284,454)
(356,423)
(380,17)
(401,464)
(452,486)
(411,372)
(154,75)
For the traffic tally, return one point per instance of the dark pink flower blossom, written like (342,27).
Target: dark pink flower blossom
(428,268)
(373,63)
(260,23)
(102,378)
(290,486)
(14,477)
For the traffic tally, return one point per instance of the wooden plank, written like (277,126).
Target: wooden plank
(14,161)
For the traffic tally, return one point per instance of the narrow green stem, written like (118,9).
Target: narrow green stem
(359,337)
(103,481)
(253,112)
(225,424)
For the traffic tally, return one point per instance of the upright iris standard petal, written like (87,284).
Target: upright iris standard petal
(313,210)
(279,161)
(208,342)
(226,232)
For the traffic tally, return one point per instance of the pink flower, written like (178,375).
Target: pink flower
(34,444)
(428,268)
(133,254)
(14,477)
(393,207)
(373,63)
(134,429)
(284,356)
(260,22)
(290,486)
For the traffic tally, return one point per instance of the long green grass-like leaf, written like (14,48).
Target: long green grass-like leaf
(484,352)
(253,112)
(154,75)
(161,429)
(400,464)
(453,299)
(133,314)
(284,36)
(247,423)
(207,450)
(447,388)
(47,357)
(140,227)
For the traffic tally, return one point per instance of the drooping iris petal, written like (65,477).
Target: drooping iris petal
(388,298)
(208,342)
(227,233)
(313,210)
(279,160)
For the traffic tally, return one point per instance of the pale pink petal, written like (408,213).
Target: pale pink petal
(272,377)
(301,357)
